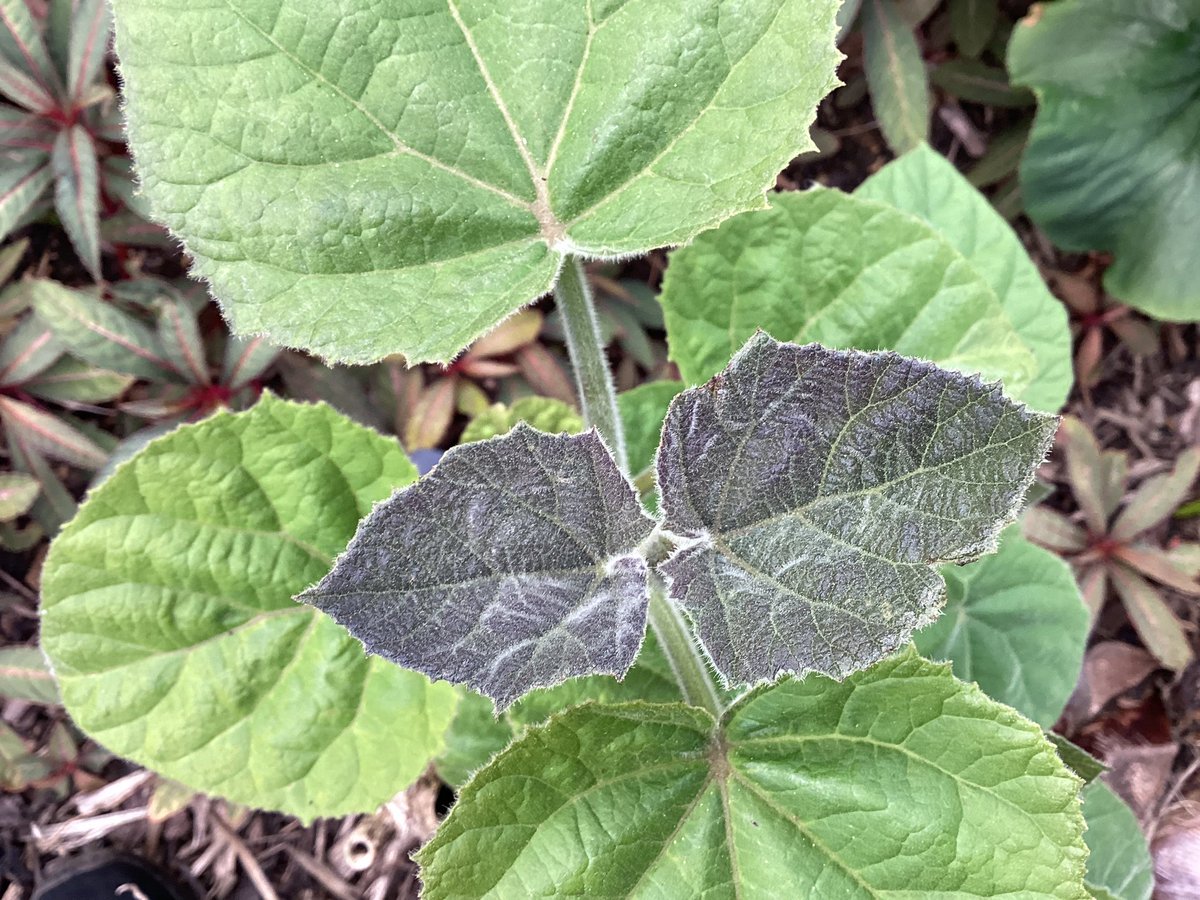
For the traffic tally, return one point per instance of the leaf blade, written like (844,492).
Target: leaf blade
(550,586)
(896,75)
(246,693)
(789,515)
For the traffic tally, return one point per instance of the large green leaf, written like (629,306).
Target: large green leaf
(923,183)
(1119,862)
(1113,161)
(168,616)
(814,490)
(642,412)
(899,782)
(346,173)
(827,267)
(513,565)
(1015,624)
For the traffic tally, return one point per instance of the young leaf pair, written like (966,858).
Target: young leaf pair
(806,492)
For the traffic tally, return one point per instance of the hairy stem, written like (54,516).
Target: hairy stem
(598,400)
(597,395)
(687,662)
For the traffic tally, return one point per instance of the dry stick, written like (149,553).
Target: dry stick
(253,870)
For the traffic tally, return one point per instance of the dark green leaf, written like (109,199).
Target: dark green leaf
(896,74)
(970,79)
(49,435)
(973,22)
(91,25)
(23,180)
(26,351)
(1113,163)
(1076,758)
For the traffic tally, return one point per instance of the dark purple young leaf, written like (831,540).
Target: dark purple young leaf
(513,565)
(816,490)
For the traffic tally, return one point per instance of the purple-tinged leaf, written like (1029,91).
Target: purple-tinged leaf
(815,491)
(77,193)
(1053,530)
(25,131)
(48,435)
(1158,627)
(245,360)
(1156,498)
(25,675)
(30,349)
(91,26)
(513,565)
(1114,468)
(433,414)
(1093,587)
(100,333)
(23,180)
(23,90)
(1087,475)
(22,46)
(180,339)
(1158,565)
(70,381)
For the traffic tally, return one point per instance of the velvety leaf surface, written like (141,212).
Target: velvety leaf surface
(899,782)
(511,566)
(1120,861)
(345,173)
(923,183)
(844,272)
(816,489)
(1015,624)
(169,620)
(1113,161)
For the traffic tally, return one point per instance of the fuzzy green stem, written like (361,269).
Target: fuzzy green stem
(598,400)
(687,663)
(597,395)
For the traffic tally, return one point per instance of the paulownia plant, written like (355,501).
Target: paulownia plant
(365,181)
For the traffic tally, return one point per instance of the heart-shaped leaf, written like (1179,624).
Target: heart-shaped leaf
(168,616)
(1014,624)
(1113,163)
(815,490)
(900,781)
(844,272)
(513,565)
(923,183)
(343,174)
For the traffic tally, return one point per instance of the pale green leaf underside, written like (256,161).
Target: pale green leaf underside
(169,620)
(1113,161)
(899,782)
(1015,624)
(844,272)
(815,490)
(923,183)
(512,565)
(347,173)
(1120,862)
